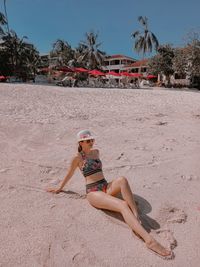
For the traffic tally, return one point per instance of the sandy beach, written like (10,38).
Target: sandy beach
(152,137)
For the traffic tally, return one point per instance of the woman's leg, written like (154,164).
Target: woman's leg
(102,200)
(121,185)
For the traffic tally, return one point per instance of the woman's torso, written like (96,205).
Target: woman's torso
(90,163)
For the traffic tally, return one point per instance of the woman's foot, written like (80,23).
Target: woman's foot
(158,249)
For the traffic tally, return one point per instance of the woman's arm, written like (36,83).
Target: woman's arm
(72,168)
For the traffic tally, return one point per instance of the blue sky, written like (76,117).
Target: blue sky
(44,21)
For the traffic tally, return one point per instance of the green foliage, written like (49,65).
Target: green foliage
(145,40)
(2,23)
(21,57)
(163,61)
(62,51)
(89,54)
(187,59)
(180,61)
(193,53)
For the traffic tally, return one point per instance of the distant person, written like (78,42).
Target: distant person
(102,194)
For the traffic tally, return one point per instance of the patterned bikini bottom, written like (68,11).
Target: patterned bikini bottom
(97,186)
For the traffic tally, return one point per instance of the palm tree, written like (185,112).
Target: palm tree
(22,56)
(6,15)
(90,53)
(63,51)
(2,22)
(145,40)
(30,60)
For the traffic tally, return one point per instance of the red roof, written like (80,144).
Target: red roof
(119,56)
(139,63)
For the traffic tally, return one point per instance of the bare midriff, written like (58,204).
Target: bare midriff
(94,177)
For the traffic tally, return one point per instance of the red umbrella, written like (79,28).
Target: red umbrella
(136,75)
(96,73)
(150,76)
(128,74)
(80,70)
(3,78)
(113,73)
(65,69)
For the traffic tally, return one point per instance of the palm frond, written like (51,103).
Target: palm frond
(143,20)
(144,41)
(149,43)
(139,44)
(155,41)
(1,31)
(135,34)
(2,19)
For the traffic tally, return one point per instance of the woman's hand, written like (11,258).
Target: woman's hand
(54,190)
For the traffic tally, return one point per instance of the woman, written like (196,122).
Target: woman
(102,194)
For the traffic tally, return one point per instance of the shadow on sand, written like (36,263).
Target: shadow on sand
(144,208)
(143,205)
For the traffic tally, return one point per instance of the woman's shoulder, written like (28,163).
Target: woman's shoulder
(76,158)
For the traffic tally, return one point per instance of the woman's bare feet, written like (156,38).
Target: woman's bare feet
(158,248)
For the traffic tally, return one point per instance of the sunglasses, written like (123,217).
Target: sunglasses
(89,141)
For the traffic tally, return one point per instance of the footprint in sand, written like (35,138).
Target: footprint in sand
(167,236)
(171,215)
(190,177)
(45,169)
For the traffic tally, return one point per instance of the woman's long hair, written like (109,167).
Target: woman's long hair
(79,147)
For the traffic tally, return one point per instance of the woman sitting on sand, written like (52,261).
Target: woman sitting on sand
(102,194)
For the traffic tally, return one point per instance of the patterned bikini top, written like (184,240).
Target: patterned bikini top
(90,166)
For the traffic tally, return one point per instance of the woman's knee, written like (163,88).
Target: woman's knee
(123,180)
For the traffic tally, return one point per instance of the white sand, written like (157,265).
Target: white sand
(150,136)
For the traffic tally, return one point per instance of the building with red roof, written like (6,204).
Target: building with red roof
(140,66)
(117,63)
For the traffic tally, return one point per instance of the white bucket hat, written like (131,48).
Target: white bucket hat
(84,135)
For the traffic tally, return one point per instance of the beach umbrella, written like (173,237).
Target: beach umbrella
(113,73)
(80,70)
(96,73)
(150,76)
(3,78)
(65,69)
(127,74)
(136,75)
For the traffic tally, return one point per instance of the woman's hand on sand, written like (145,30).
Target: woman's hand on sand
(54,190)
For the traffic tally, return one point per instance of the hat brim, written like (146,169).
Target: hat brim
(87,138)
